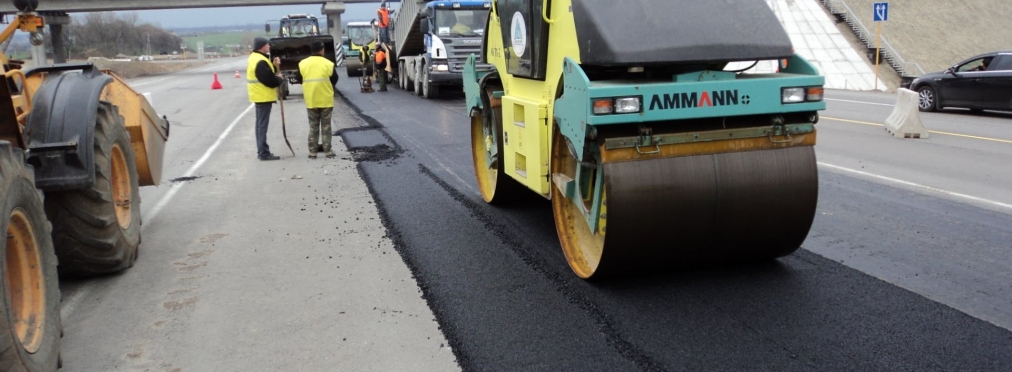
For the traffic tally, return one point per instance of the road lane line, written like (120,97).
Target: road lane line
(920,186)
(851,121)
(862,102)
(72,299)
(207,155)
(932,131)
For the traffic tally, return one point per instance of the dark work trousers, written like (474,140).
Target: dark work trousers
(263,116)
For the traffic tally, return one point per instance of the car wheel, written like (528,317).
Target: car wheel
(928,99)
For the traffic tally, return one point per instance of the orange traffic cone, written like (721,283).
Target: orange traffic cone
(237,74)
(216,84)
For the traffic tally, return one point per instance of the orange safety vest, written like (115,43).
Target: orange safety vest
(384,17)
(380,56)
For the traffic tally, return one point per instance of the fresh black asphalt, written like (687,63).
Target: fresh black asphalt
(504,297)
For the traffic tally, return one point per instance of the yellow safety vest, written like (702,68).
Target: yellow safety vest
(316,72)
(258,92)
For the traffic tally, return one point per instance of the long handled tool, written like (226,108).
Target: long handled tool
(284,132)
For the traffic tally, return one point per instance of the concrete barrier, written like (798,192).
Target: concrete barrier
(905,121)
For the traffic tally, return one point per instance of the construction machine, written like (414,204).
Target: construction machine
(432,39)
(75,145)
(293,43)
(361,45)
(654,155)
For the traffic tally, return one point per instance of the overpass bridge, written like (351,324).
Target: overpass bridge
(56,12)
(75,6)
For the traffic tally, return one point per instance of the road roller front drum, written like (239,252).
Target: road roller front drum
(664,213)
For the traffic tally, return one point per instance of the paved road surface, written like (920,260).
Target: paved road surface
(906,267)
(249,265)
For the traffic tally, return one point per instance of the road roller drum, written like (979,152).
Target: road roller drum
(678,211)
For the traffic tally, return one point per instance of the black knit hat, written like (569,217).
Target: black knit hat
(258,43)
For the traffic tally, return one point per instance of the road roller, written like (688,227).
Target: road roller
(362,43)
(631,116)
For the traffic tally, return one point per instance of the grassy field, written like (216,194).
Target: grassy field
(221,39)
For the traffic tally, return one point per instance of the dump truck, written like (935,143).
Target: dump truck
(654,156)
(293,43)
(432,39)
(76,143)
(361,45)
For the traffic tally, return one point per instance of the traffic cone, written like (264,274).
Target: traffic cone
(216,84)
(237,74)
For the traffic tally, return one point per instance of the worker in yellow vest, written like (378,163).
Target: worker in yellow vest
(318,79)
(262,80)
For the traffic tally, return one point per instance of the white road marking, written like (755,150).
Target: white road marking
(861,102)
(193,169)
(920,186)
(71,300)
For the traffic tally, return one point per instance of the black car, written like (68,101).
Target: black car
(983,82)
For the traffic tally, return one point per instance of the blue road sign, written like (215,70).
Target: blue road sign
(881,11)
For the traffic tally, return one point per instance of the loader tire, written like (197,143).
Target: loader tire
(97,230)
(30,326)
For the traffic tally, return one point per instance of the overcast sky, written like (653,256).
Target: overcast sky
(182,18)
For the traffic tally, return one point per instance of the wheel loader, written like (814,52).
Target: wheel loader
(293,43)
(75,145)
(627,116)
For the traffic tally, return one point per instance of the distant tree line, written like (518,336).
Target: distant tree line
(105,34)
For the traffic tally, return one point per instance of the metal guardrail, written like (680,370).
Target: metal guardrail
(888,52)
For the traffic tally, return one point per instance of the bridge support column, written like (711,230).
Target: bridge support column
(333,11)
(56,23)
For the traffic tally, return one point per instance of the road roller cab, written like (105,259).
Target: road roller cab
(652,151)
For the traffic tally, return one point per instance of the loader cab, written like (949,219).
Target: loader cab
(299,25)
(525,37)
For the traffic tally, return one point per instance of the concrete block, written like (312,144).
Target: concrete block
(905,121)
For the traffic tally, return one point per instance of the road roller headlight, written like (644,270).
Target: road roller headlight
(627,105)
(792,95)
(801,94)
(619,105)
(440,68)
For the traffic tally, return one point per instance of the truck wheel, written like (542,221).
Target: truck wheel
(409,82)
(418,78)
(30,325)
(428,90)
(402,76)
(97,230)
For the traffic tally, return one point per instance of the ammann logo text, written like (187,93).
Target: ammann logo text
(694,99)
